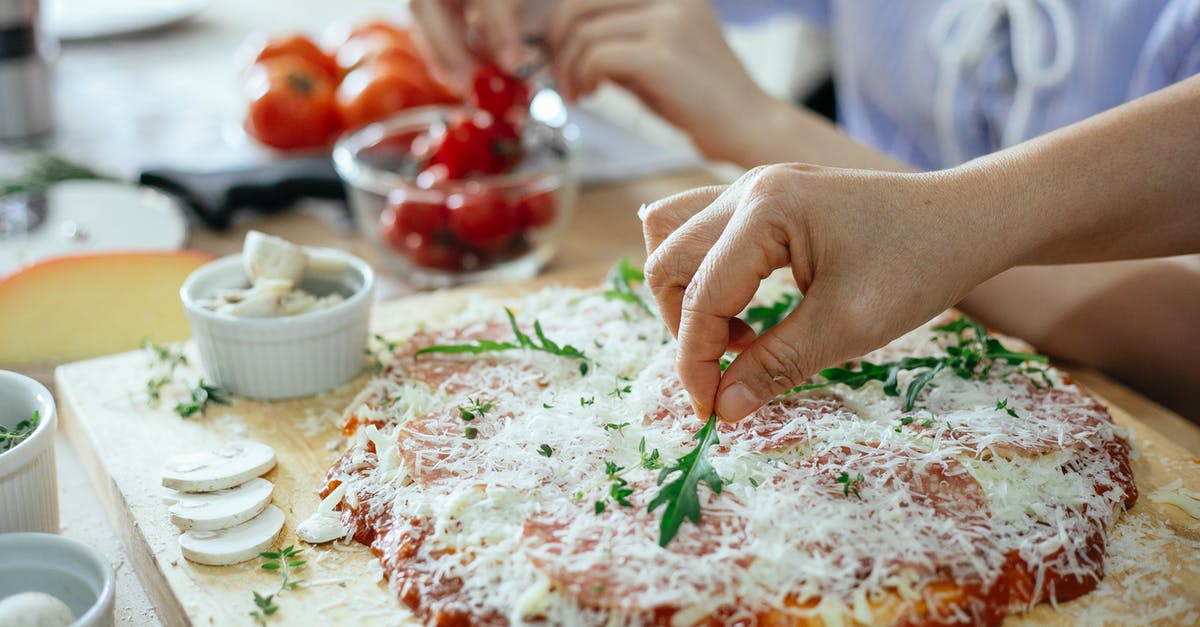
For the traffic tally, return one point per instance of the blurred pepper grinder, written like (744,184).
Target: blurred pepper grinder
(25,49)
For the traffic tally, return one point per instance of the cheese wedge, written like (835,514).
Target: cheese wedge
(72,308)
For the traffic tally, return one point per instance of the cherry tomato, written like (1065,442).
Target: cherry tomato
(429,253)
(405,216)
(366,48)
(291,104)
(537,209)
(376,91)
(298,46)
(476,145)
(481,218)
(504,96)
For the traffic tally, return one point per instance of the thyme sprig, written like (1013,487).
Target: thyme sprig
(850,484)
(23,429)
(284,561)
(682,495)
(618,489)
(164,360)
(523,342)
(973,355)
(201,395)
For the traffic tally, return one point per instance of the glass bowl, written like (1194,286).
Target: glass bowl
(434,232)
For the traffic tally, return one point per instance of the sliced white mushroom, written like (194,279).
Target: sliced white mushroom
(265,300)
(222,547)
(325,525)
(205,511)
(324,264)
(269,257)
(233,464)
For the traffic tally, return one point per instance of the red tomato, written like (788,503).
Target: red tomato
(428,253)
(291,104)
(376,91)
(363,49)
(504,96)
(537,209)
(298,46)
(404,217)
(476,145)
(481,219)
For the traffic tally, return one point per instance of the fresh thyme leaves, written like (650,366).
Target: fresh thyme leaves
(284,561)
(618,489)
(584,402)
(381,346)
(621,279)
(547,406)
(725,364)
(164,360)
(972,356)
(681,495)
(649,461)
(47,171)
(1003,406)
(904,422)
(545,450)
(613,426)
(850,484)
(471,433)
(201,396)
(474,409)
(620,390)
(23,429)
(542,343)
(767,316)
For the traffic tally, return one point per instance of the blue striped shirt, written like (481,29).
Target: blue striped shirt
(935,82)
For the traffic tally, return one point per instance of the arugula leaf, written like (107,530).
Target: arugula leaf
(681,496)
(543,344)
(766,316)
(972,356)
(621,279)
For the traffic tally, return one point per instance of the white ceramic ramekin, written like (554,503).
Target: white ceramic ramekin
(287,357)
(28,483)
(67,569)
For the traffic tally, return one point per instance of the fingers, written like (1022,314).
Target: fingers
(669,269)
(496,23)
(749,249)
(608,40)
(443,38)
(569,13)
(660,219)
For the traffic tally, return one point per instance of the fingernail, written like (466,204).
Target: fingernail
(736,402)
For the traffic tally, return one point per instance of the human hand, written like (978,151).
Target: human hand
(455,33)
(875,254)
(671,54)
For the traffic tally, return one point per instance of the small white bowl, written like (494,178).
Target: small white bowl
(28,483)
(67,569)
(286,357)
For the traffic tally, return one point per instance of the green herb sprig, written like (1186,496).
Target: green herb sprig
(973,355)
(201,396)
(45,172)
(682,495)
(766,316)
(284,561)
(619,489)
(23,429)
(164,360)
(382,346)
(850,484)
(621,279)
(523,342)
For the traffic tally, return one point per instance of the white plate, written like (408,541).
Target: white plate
(75,20)
(94,217)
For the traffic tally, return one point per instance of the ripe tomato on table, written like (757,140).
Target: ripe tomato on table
(376,91)
(291,104)
(298,46)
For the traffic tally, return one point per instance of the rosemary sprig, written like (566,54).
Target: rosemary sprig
(523,342)
(283,561)
(972,356)
(45,172)
(201,396)
(621,279)
(682,495)
(23,429)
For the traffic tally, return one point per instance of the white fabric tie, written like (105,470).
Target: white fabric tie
(960,35)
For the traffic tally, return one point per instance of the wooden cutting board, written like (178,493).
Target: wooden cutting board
(124,440)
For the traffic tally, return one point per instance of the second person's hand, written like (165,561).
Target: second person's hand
(875,254)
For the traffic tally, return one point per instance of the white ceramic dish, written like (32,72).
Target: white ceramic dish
(67,569)
(28,483)
(287,357)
